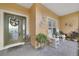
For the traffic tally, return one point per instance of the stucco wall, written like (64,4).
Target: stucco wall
(37,13)
(14,7)
(72,19)
(32,24)
(42,13)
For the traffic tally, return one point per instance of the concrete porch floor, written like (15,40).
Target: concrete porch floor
(66,48)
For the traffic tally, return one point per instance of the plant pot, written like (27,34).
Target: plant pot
(75,40)
(40,45)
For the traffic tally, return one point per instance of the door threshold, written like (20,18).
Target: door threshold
(12,45)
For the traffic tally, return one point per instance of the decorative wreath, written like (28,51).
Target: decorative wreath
(14,21)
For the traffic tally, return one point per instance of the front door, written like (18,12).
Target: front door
(14,28)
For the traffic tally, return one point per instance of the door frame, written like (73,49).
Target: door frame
(2,11)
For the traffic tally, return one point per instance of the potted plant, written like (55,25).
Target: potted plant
(41,39)
(61,33)
(77,37)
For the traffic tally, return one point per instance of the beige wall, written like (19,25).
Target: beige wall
(41,16)
(32,23)
(14,7)
(37,14)
(72,19)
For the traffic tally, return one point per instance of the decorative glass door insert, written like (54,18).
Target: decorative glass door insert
(13,27)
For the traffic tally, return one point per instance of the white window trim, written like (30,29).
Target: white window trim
(57,27)
(57,23)
(54,20)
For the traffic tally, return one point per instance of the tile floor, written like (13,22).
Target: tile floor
(66,48)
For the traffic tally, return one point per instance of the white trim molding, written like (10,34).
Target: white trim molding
(57,27)
(57,22)
(2,11)
(12,45)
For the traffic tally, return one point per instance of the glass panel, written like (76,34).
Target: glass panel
(24,28)
(13,28)
(50,33)
(51,27)
(53,24)
(49,23)
(54,31)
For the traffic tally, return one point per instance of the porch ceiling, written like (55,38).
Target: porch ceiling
(58,8)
